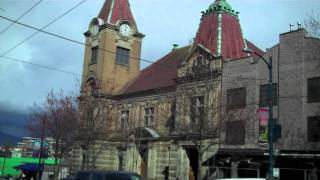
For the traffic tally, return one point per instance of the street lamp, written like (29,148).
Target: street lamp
(270,122)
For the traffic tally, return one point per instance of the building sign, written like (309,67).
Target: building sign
(263,124)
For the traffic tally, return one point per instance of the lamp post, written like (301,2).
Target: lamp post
(270,122)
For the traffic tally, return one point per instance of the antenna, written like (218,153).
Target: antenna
(291,26)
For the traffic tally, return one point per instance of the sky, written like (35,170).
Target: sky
(164,22)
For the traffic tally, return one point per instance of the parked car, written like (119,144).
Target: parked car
(67,178)
(107,175)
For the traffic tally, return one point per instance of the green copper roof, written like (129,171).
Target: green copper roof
(221,5)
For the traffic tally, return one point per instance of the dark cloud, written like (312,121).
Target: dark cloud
(13,121)
(8,139)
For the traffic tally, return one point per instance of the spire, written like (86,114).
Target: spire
(114,11)
(220,31)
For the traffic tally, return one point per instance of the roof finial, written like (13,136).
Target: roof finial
(221,5)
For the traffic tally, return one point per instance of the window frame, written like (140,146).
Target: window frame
(242,104)
(313,98)
(196,109)
(149,116)
(124,119)
(231,137)
(263,101)
(94,55)
(315,127)
(122,56)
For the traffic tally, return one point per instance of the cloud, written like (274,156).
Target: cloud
(165,22)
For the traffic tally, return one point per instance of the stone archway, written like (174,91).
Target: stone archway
(141,137)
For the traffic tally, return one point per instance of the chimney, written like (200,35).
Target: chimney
(291,27)
(299,25)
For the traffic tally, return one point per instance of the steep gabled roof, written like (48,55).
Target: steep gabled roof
(220,32)
(158,75)
(116,10)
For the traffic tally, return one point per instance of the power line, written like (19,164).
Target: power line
(74,41)
(109,51)
(41,66)
(53,21)
(5,29)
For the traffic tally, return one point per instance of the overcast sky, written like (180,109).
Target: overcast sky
(164,22)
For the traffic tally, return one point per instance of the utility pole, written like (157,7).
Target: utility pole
(41,150)
(270,122)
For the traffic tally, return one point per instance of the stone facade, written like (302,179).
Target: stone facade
(175,119)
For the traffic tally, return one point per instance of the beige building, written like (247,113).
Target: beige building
(181,117)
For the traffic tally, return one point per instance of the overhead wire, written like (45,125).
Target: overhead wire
(41,66)
(109,51)
(74,41)
(35,33)
(11,24)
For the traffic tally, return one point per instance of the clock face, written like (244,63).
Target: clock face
(125,30)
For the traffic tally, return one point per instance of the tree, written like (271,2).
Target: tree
(312,24)
(58,118)
(94,112)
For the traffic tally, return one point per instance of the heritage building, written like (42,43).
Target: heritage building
(192,113)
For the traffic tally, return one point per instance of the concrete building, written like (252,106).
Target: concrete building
(30,147)
(193,113)
(296,107)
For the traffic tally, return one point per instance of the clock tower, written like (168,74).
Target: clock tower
(112,54)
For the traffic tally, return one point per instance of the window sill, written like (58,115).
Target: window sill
(311,102)
(268,106)
(125,65)
(236,107)
(91,64)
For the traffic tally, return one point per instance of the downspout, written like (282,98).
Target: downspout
(278,88)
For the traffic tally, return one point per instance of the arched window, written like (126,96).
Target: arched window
(92,85)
